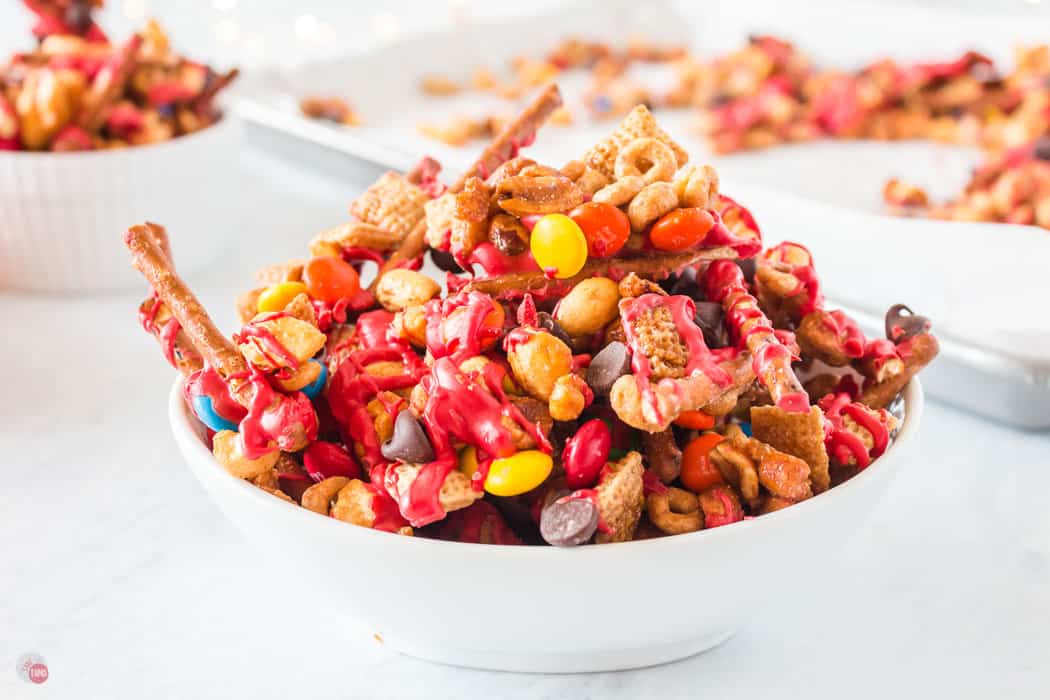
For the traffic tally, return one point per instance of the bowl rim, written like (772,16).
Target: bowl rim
(227,121)
(193,449)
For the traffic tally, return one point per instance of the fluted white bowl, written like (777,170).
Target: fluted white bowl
(548,609)
(62,214)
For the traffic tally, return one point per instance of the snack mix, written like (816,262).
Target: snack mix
(768,92)
(78,92)
(623,361)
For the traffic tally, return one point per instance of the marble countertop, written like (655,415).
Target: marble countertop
(123,576)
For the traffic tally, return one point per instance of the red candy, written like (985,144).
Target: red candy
(586,453)
(681,229)
(331,279)
(605,227)
(323,460)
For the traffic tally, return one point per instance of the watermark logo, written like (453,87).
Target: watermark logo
(32,668)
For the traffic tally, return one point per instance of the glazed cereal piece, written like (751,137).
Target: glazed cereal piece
(355,234)
(229,452)
(620,498)
(855,434)
(720,506)
(456,491)
(662,455)
(392,204)
(779,473)
(885,382)
(439,215)
(655,335)
(321,496)
(356,502)
(671,397)
(283,342)
(639,123)
(674,511)
(797,434)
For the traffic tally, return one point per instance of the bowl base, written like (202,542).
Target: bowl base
(524,662)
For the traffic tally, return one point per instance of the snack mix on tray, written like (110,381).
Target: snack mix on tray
(78,92)
(626,361)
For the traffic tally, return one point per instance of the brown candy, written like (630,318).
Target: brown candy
(611,363)
(409,443)
(900,327)
(569,523)
(508,234)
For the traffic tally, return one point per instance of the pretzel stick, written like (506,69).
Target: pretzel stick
(503,148)
(109,82)
(653,266)
(217,350)
(724,282)
(159,234)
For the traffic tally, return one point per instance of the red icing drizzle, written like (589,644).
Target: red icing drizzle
(851,339)
(456,325)
(274,420)
(841,443)
(166,335)
(208,382)
(724,282)
(265,342)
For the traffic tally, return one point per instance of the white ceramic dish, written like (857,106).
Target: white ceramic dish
(545,609)
(62,214)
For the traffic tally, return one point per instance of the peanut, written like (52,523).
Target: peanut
(399,289)
(589,306)
(538,362)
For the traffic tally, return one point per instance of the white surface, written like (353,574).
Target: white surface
(60,213)
(122,574)
(406,595)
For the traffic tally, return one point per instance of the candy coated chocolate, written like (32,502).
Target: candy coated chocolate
(445,261)
(1041,149)
(409,443)
(611,363)
(569,523)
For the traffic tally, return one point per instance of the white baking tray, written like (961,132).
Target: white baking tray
(984,285)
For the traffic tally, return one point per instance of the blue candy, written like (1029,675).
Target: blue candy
(746,428)
(202,406)
(314,388)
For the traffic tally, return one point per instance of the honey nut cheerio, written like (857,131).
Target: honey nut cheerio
(652,390)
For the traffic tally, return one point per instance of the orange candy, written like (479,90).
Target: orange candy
(681,229)
(698,473)
(330,279)
(696,420)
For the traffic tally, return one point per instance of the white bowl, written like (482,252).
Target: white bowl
(62,214)
(548,609)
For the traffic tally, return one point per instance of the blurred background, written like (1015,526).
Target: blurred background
(254,33)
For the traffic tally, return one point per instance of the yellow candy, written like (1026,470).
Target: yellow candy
(558,243)
(518,473)
(276,296)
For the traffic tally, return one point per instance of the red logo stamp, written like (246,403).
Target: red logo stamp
(32,668)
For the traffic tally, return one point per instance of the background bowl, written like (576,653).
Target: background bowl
(546,609)
(62,214)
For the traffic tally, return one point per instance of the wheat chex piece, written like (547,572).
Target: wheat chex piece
(797,434)
(621,498)
(333,241)
(639,123)
(391,203)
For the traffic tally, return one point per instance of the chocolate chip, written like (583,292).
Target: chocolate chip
(569,523)
(686,285)
(711,319)
(900,327)
(445,261)
(748,266)
(612,362)
(409,442)
(1041,148)
(547,322)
